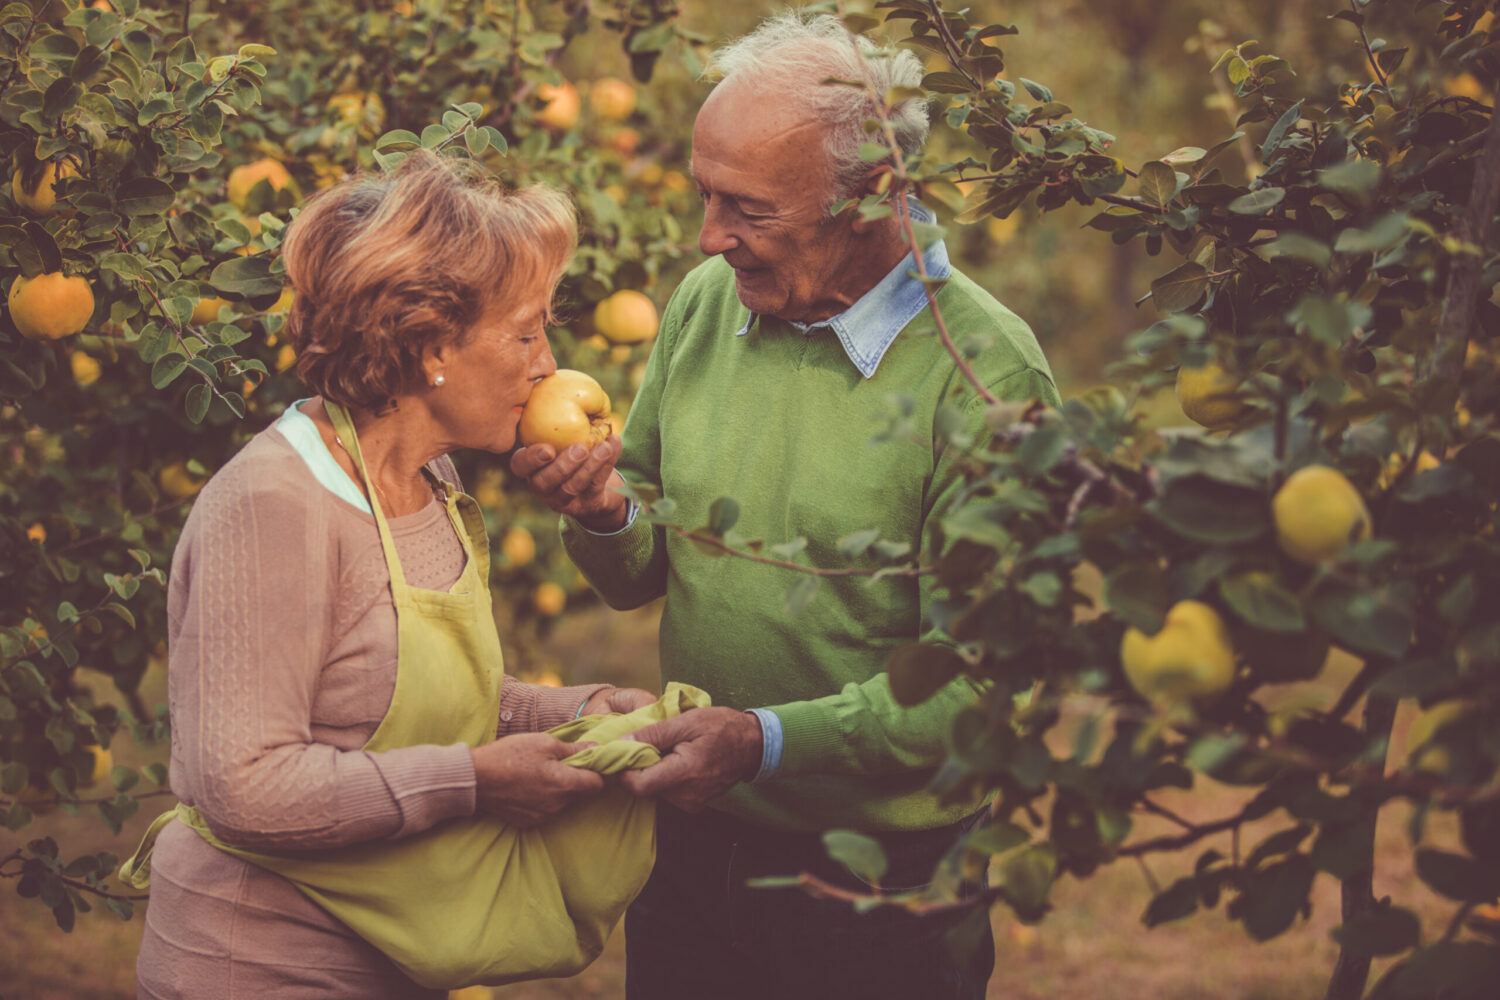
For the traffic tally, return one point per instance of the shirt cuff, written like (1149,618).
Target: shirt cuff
(770,744)
(631,510)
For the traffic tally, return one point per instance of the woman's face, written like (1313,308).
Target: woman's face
(488,378)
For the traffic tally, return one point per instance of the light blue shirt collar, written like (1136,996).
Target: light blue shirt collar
(869,326)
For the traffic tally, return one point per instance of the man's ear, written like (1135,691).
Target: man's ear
(876,181)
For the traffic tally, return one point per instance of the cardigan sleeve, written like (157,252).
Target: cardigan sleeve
(250,606)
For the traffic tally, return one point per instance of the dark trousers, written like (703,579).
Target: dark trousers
(697,932)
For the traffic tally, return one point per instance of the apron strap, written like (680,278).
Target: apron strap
(343,427)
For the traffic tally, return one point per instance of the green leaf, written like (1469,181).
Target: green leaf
(1178,900)
(167,368)
(126,265)
(1271,900)
(476,140)
(917,671)
(246,276)
(398,138)
(198,399)
(1374,620)
(801,593)
(861,854)
(1257,202)
(1202,510)
(1137,593)
(873,152)
(1278,131)
(1458,876)
(946,83)
(1301,247)
(1180,288)
(144,196)
(1357,177)
(1158,183)
(1261,601)
(857,543)
(1386,930)
(1383,234)
(434,136)
(722,515)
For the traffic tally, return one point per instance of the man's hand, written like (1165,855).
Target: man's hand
(580,481)
(705,752)
(521,779)
(621,700)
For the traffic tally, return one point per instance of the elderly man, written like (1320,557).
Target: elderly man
(777,363)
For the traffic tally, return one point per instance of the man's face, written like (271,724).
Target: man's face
(762,170)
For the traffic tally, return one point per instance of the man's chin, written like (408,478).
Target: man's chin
(756,294)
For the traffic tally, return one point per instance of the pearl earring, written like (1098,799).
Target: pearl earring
(438,379)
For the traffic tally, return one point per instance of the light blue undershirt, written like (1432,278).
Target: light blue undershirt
(299,429)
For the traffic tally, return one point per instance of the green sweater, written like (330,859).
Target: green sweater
(783,422)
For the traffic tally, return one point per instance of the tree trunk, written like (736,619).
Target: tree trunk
(1353,967)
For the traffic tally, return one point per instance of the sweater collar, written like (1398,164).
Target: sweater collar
(869,326)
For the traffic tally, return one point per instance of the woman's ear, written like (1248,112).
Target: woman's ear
(435,361)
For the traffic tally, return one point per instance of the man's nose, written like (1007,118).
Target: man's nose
(715,237)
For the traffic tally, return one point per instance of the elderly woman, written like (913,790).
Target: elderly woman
(331,633)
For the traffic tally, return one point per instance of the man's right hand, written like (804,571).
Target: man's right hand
(579,482)
(522,780)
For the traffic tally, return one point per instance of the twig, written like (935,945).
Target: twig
(1364,40)
(73,883)
(713,541)
(1195,833)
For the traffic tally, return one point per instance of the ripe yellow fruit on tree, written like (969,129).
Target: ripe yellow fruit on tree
(37,532)
(1318,514)
(561,110)
(104,763)
(245,177)
(1206,395)
(362,107)
(51,305)
(207,310)
(567,407)
(549,599)
(1190,659)
(176,481)
(626,317)
(41,198)
(518,546)
(612,98)
(86,369)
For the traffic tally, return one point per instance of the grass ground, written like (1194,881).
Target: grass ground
(1092,945)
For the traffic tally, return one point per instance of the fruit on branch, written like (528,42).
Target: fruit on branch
(41,196)
(1318,514)
(560,113)
(612,98)
(626,317)
(1190,659)
(85,367)
(566,408)
(518,546)
(51,305)
(245,177)
(104,763)
(549,599)
(1207,395)
(176,481)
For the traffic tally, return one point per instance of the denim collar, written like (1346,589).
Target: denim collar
(869,326)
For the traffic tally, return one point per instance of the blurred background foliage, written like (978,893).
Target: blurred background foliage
(102,452)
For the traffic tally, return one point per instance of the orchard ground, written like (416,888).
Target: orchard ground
(1092,944)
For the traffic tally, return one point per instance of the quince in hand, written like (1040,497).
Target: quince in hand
(1190,659)
(566,408)
(1318,514)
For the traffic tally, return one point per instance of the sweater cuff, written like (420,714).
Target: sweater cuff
(535,708)
(627,551)
(430,784)
(809,733)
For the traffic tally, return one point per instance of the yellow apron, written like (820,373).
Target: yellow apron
(473,901)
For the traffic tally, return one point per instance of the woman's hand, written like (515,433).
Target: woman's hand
(521,779)
(579,481)
(621,700)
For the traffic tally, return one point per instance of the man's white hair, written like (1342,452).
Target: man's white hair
(796,52)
